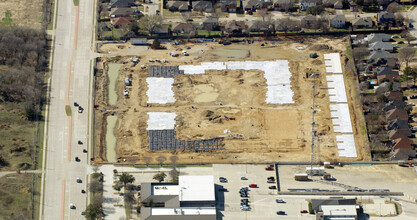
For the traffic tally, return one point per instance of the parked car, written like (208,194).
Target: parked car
(395,36)
(243,178)
(223,180)
(84,151)
(77,159)
(303,211)
(75,104)
(281,213)
(272,187)
(79,180)
(280,201)
(82,191)
(253,185)
(400,42)
(269,168)
(80,142)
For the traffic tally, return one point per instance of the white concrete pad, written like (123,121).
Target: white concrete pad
(161,121)
(337,91)
(332,62)
(346,145)
(341,118)
(277,74)
(160,90)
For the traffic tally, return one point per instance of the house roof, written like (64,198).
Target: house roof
(378,37)
(396,113)
(379,45)
(235,26)
(338,18)
(397,124)
(202,5)
(121,3)
(121,11)
(257,25)
(228,2)
(394,96)
(397,133)
(366,21)
(182,27)
(384,87)
(402,154)
(134,41)
(179,5)
(338,4)
(122,20)
(403,142)
(385,70)
(386,15)
(161,29)
(377,54)
(316,203)
(308,1)
(253,3)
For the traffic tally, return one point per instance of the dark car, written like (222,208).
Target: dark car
(227,42)
(280,213)
(79,180)
(223,180)
(272,187)
(77,159)
(82,191)
(75,104)
(303,211)
(280,201)
(80,142)
(269,168)
(400,42)
(84,151)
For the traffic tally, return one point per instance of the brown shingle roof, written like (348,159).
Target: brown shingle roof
(394,96)
(396,113)
(404,143)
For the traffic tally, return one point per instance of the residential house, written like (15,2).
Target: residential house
(228,6)
(162,30)
(386,73)
(365,22)
(402,154)
(284,5)
(183,28)
(384,2)
(338,4)
(177,6)
(394,96)
(309,22)
(235,27)
(257,26)
(387,46)
(287,25)
(394,104)
(382,58)
(304,4)
(380,54)
(121,3)
(396,113)
(210,23)
(372,38)
(394,134)
(403,143)
(121,12)
(338,21)
(385,18)
(120,21)
(204,6)
(388,86)
(398,125)
(254,4)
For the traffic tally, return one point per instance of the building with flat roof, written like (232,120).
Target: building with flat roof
(192,198)
(337,212)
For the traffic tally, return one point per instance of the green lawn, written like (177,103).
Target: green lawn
(76,2)
(51,23)
(204,32)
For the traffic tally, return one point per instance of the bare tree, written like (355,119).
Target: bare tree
(359,53)
(147,160)
(173,159)
(161,159)
(263,12)
(174,174)
(94,186)
(399,19)
(150,23)
(323,23)
(187,16)
(393,7)
(407,54)
(286,24)
(287,5)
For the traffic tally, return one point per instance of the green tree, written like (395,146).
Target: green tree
(7,20)
(93,211)
(126,178)
(408,72)
(159,176)
(118,186)
(95,187)
(156,44)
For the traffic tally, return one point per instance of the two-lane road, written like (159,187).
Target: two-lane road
(71,71)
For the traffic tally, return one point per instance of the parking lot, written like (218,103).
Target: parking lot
(262,200)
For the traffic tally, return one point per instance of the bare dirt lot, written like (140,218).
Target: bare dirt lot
(24,13)
(236,99)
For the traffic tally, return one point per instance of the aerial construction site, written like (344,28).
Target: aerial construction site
(241,103)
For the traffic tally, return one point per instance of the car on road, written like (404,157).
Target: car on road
(243,178)
(244,208)
(79,180)
(80,142)
(303,211)
(280,201)
(72,206)
(281,213)
(82,213)
(75,104)
(253,185)
(77,159)
(272,187)
(84,151)
(80,109)
(223,180)
(82,191)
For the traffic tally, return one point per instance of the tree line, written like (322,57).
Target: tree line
(22,65)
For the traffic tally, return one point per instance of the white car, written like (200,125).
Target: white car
(72,206)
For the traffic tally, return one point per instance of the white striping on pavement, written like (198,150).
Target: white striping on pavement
(332,62)
(160,90)
(161,121)
(341,118)
(346,145)
(336,85)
